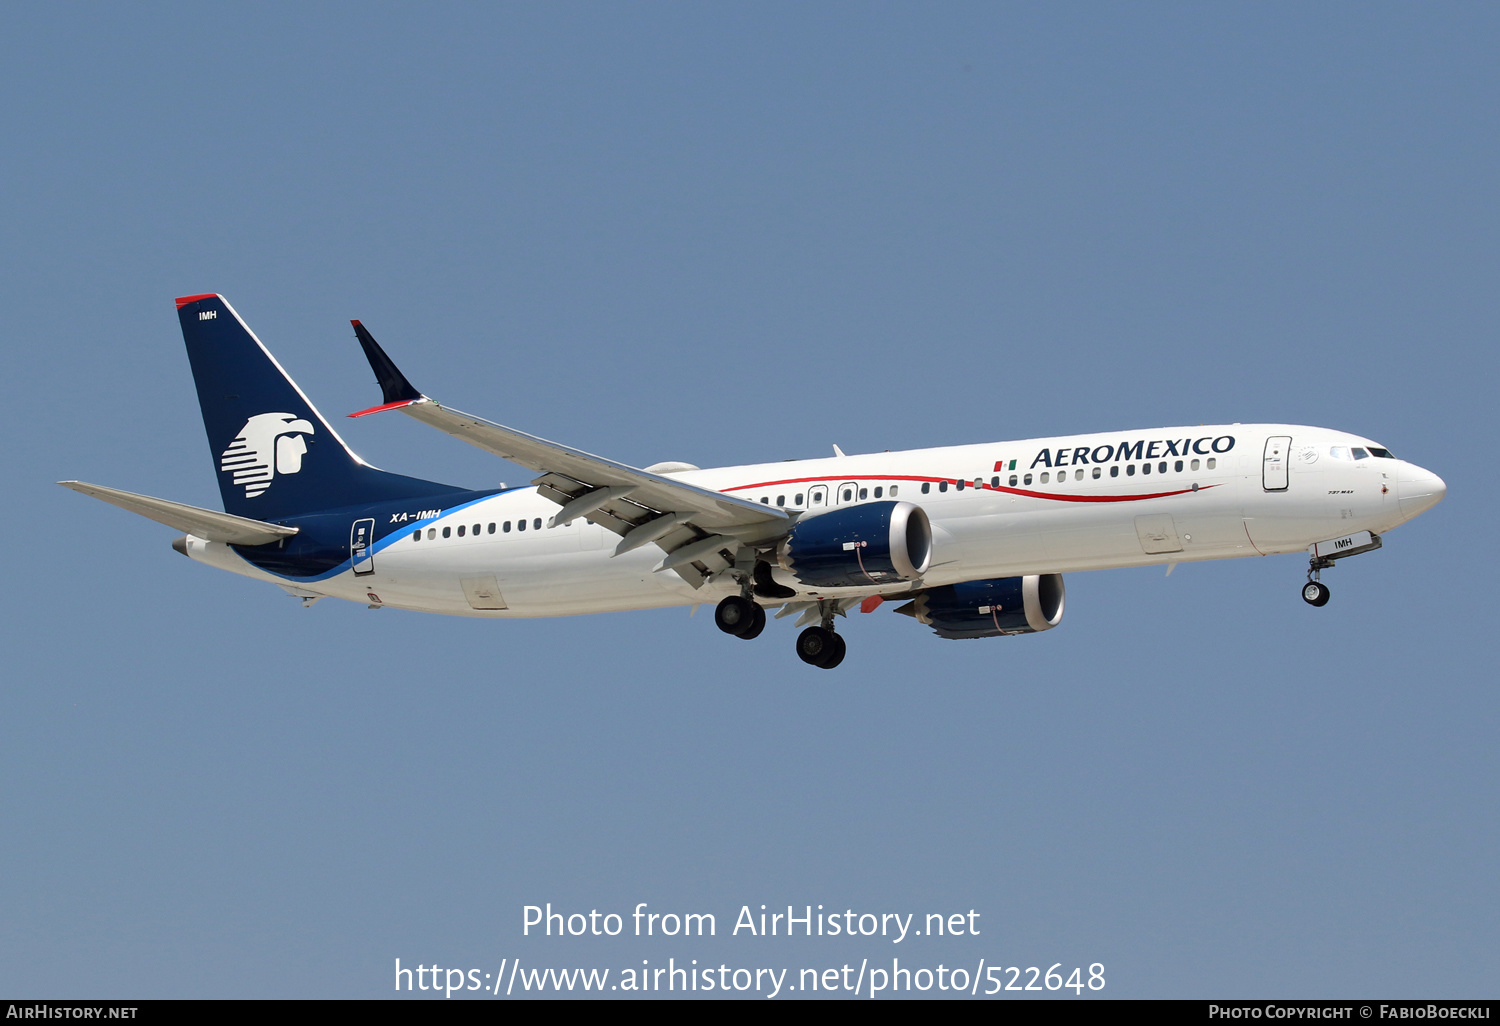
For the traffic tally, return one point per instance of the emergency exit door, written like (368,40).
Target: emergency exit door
(1273,466)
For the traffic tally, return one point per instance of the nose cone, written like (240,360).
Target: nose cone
(1420,490)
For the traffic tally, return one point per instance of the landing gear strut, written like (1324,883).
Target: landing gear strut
(819,646)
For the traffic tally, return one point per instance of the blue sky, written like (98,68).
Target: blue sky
(724,234)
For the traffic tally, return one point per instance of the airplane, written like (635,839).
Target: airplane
(972,540)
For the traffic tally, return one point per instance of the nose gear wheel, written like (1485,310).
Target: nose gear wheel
(1315,593)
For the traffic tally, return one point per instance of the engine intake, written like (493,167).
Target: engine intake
(872,543)
(988,609)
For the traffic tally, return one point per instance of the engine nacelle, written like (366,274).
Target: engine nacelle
(988,609)
(856,546)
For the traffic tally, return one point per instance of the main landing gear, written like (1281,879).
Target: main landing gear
(741,617)
(817,646)
(820,647)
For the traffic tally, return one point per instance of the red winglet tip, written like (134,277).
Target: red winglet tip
(383,407)
(183,301)
(870,604)
(356,324)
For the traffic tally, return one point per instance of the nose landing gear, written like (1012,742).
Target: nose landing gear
(1315,592)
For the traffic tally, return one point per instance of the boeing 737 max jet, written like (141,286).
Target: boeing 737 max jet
(973,540)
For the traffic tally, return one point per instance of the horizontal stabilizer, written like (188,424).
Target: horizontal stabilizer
(202,523)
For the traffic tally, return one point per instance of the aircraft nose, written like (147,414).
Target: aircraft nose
(1420,490)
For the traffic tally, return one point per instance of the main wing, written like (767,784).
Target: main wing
(701,531)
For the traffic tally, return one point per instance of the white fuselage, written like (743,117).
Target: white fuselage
(1182,494)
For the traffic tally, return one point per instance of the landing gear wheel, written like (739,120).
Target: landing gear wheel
(757,625)
(821,647)
(736,615)
(1315,593)
(835,656)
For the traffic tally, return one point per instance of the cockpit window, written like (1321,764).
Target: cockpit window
(1361,454)
(1340,452)
(1384,454)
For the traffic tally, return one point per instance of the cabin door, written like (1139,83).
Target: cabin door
(1273,466)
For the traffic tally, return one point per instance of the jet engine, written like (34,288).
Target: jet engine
(856,546)
(988,609)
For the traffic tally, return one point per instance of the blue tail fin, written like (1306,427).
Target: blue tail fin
(275,454)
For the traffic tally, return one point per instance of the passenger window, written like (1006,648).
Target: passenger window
(1078,474)
(781,500)
(431,533)
(995,482)
(1178,467)
(460,530)
(979,482)
(1013,480)
(520,525)
(879,491)
(447,532)
(505,527)
(1212,463)
(848,494)
(1098,471)
(765,500)
(1130,470)
(798,500)
(1114,471)
(537,524)
(942,486)
(1044,477)
(492,528)
(926,487)
(416,535)
(1145,468)
(959,484)
(1193,465)
(1028,479)
(1161,468)
(476,530)
(864,493)
(893,490)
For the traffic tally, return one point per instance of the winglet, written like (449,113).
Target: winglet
(394,387)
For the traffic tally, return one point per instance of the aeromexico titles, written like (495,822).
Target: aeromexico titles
(971,540)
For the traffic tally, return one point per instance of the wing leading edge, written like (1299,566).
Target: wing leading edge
(701,531)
